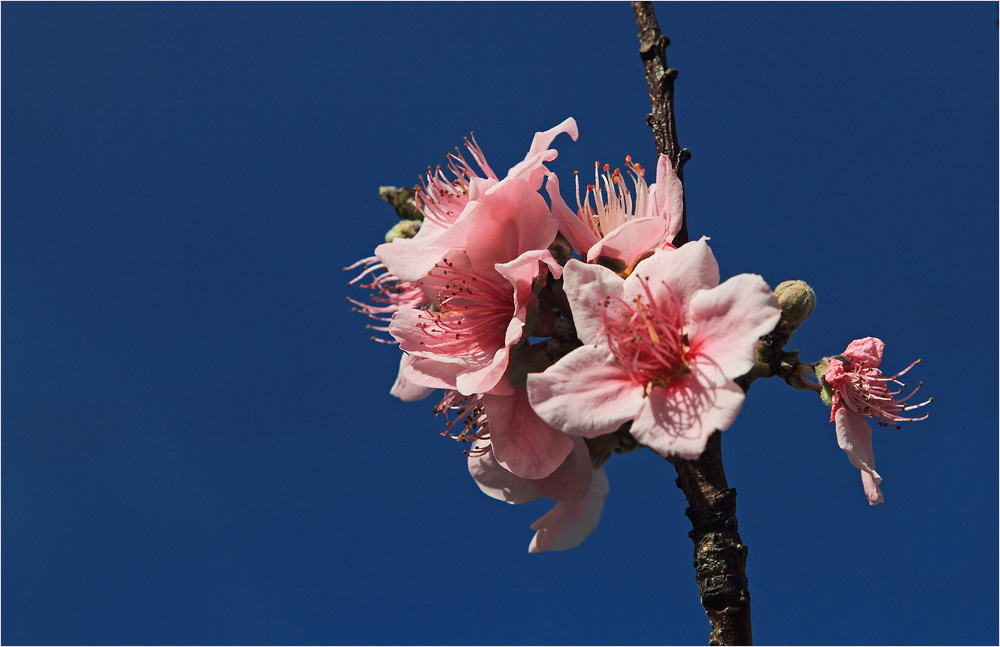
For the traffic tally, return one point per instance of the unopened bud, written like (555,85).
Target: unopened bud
(403,229)
(401,201)
(797,301)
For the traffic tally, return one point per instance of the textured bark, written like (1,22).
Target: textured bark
(719,553)
(720,558)
(660,81)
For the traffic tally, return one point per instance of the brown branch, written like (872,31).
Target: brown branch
(660,81)
(719,553)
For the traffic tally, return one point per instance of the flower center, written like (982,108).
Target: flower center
(472,313)
(866,392)
(611,199)
(647,337)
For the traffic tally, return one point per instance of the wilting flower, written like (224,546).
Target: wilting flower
(449,205)
(578,489)
(662,348)
(859,390)
(612,221)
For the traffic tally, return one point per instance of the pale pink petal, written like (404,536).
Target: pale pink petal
(411,259)
(585,393)
(486,376)
(523,442)
(531,168)
(679,418)
(567,524)
(403,388)
(497,482)
(867,351)
(854,435)
(432,374)
(631,240)
(579,236)
(676,273)
(571,481)
(587,287)
(510,219)
(725,322)
(667,195)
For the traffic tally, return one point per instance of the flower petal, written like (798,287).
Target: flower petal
(726,321)
(679,273)
(667,195)
(432,374)
(679,418)
(631,240)
(854,435)
(531,168)
(571,481)
(522,442)
(585,393)
(567,524)
(867,351)
(497,482)
(587,287)
(404,389)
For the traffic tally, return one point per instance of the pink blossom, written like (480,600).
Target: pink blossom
(388,296)
(578,489)
(614,222)
(662,349)
(449,205)
(859,391)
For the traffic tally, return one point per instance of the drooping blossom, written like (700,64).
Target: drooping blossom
(859,390)
(388,295)
(578,489)
(612,221)
(662,348)
(448,205)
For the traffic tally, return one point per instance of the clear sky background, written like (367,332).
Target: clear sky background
(198,445)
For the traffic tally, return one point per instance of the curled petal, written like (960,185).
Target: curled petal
(854,435)
(579,235)
(531,168)
(667,196)
(567,524)
(497,482)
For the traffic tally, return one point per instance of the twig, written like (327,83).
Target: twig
(719,553)
(660,81)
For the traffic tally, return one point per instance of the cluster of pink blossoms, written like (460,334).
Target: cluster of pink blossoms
(546,327)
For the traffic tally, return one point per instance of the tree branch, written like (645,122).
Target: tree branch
(719,553)
(660,81)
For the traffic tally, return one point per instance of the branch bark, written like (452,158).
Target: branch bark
(660,82)
(719,553)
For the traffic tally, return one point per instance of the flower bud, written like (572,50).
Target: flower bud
(403,229)
(401,201)
(797,301)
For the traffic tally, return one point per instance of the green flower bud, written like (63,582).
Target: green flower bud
(403,229)
(401,201)
(797,301)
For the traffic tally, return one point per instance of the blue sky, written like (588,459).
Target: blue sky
(198,445)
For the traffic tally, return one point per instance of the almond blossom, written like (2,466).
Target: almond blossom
(448,205)
(611,221)
(662,348)
(859,390)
